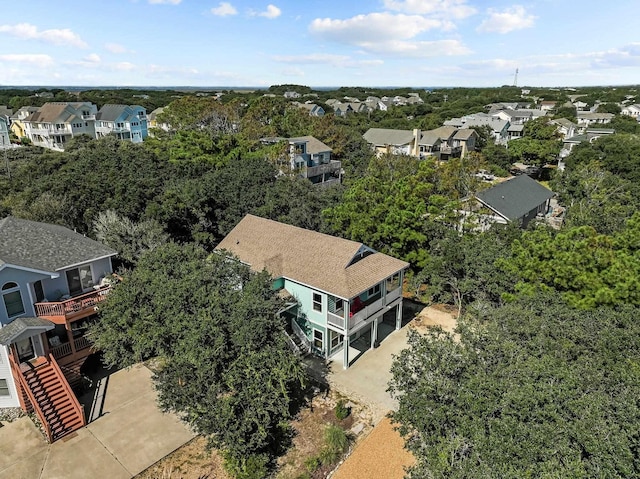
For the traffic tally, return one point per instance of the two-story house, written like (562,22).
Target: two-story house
(125,122)
(51,282)
(17,120)
(54,124)
(310,158)
(339,289)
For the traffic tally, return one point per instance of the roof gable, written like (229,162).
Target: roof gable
(314,259)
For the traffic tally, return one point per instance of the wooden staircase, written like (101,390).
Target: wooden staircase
(51,397)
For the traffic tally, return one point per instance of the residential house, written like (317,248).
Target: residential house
(54,124)
(152,121)
(632,110)
(312,108)
(586,119)
(17,120)
(125,122)
(309,158)
(51,282)
(340,292)
(519,200)
(515,131)
(292,94)
(520,116)
(548,105)
(590,135)
(565,127)
(499,127)
(444,142)
(4,132)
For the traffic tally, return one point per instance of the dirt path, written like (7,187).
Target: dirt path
(436,315)
(380,454)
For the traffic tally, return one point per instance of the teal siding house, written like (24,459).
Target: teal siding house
(337,291)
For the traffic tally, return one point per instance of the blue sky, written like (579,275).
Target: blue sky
(319,42)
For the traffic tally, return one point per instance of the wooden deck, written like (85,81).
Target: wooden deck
(60,312)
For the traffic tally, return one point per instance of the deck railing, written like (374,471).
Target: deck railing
(17,374)
(72,306)
(61,351)
(81,343)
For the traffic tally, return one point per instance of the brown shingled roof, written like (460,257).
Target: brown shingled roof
(314,259)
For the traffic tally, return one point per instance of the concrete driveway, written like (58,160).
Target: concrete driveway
(130,435)
(366,379)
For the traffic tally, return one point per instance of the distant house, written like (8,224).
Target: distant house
(566,128)
(518,200)
(51,282)
(590,135)
(340,293)
(499,127)
(519,116)
(54,124)
(632,110)
(17,120)
(547,105)
(309,158)
(312,108)
(587,119)
(443,143)
(4,132)
(515,131)
(125,122)
(291,94)
(342,109)
(152,121)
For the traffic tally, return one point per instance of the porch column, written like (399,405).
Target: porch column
(399,315)
(374,332)
(345,363)
(70,337)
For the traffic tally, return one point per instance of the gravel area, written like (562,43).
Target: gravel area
(10,414)
(379,455)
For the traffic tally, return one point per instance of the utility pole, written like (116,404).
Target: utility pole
(515,78)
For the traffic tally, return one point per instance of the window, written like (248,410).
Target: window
(79,279)
(318,339)
(373,291)
(4,388)
(12,299)
(336,339)
(317,302)
(25,349)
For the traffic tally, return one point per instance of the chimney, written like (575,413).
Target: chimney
(417,134)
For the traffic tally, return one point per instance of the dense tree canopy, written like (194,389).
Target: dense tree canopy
(538,389)
(224,364)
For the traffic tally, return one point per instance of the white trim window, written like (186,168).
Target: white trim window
(12,299)
(317,302)
(318,339)
(4,388)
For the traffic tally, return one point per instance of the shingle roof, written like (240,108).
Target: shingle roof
(56,112)
(516,197)
(313,144)
(308,257)
(464,134)
(45,247)
(386,136)
(20,325)
(111,112)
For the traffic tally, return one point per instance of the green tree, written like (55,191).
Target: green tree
(223,362)
(536,389)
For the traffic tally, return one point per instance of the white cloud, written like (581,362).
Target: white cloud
(37,59)
(56,36)
(124,66)
(513,18)
(224,9)
(375,27)
(271,12)
(448,8)
(419,49)
(92,58)
(293,72)
(626,56)
(165,2)
(117,48)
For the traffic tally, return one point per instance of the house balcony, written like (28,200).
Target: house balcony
(450,150)
(365,311)
(60,312)
(331,167)
(89,117)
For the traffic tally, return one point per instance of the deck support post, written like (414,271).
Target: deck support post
(374,332)
(399,316)
(345,363)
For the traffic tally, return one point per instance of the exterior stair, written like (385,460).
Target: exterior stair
(55,402)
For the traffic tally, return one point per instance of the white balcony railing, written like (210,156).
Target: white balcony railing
(335,320)
(364,314)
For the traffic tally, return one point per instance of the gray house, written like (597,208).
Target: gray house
(519,199)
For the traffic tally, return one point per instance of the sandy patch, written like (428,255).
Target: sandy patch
(380,454)
(436,315)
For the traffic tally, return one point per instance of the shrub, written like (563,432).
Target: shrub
(312,463)
(336,443)
(342,411)
(254,466)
